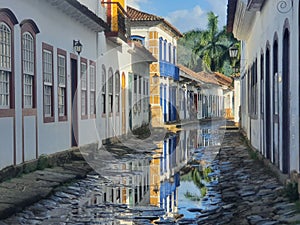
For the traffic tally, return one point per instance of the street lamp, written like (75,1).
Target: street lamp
(77,46)
(155,78)
(233,51)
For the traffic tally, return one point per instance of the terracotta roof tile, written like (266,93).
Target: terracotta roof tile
(136,15)
(208,77)
(203,76)
(223,79)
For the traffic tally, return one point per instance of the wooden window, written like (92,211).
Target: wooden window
(48,83)
(5,66)
(62,84)
(103,90)
(253,89)
(117,91)
(110,90)
(92,88)
(83,79)
(28,69)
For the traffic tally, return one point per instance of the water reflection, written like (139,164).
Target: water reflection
(176,181)
(175,178)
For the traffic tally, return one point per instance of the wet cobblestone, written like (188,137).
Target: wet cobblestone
(239,190)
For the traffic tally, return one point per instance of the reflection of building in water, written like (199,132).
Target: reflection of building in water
(204,137)
(209,137)
(164,172)
(129,184)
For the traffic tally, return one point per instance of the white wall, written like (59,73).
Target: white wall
(268,22)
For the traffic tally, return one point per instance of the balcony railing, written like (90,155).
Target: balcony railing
(169,70)
(118,21)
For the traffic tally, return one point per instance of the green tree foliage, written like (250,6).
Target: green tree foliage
(207,49)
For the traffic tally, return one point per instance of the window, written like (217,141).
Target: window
(170,53)
(165,50)
(5,65)
(83,77)
(48,83)
(174,55)
(103,90)
(140,94)
(145,98)
(92,88)
(62,84)
(110,90)
(28,69)
(117,86)
(160,49)
(253,89)
(28,58)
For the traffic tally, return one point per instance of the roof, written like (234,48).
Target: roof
(208,77)
(136,15)
(190,73)
(202,76)
(80,12)
(223,79)
(143,52)
(231,8)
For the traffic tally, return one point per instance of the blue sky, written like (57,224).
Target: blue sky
(184,14)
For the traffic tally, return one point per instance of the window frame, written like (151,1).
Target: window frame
(92,89)
(51,118)
(84,89)
(9,71)
(110,91)
(64,117)
(117,90)
(103,91)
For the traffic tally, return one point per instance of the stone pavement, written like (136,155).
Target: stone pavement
(245,192)
(22,191)
(250,193)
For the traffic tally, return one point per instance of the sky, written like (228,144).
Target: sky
(185,15)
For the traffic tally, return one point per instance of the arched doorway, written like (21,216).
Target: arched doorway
(268,105)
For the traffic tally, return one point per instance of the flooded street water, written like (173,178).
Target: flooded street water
(177,183)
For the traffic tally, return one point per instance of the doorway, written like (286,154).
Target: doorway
(74,108)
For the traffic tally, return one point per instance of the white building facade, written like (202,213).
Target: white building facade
(269,31)
(53,98)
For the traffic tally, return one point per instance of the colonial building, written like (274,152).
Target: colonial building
(269,34)
(160,38)
(48,91)
(68,76)
(202,94)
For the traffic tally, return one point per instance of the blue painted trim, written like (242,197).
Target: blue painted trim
(140,38)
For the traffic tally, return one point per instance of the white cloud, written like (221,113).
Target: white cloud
(219,8)
(186,20)
(136,3)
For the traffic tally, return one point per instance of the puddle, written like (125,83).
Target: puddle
(177,182)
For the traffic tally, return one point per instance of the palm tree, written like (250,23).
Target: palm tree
(213,45)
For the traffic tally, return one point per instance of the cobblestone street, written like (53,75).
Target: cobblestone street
(250,192)
(242,191)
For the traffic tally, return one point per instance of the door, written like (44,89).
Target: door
(74,108)
(286,103)
(123,103)
(268,107)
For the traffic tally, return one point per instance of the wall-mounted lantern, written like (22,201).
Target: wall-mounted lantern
(77,46)
(155,188)
(233,52)
(155,78)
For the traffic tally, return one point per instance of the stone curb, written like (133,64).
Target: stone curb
(25,184)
